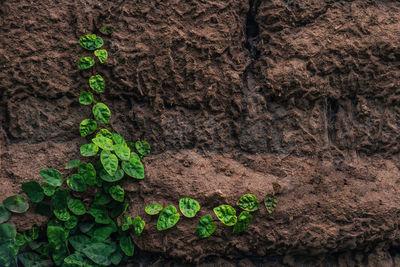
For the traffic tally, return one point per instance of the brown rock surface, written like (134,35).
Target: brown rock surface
(232,95)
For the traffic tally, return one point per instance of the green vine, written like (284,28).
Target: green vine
(95,232)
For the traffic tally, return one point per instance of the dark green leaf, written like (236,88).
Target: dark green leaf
(109,161)
(189,207)
(62,215)
(76,206)
(118,209)
(85,227)
(16,204)
(86,98)
(116,258)
(100,215)
(122,151)
(226,214)
(60,254)
(206,226)
(88,173)
(134,168)
(33,190)
(138,225)
(103,142)
(119,174)
(91,41)
(102,233)
(71,223)
(48,190)
(56,235)
(87,126)
(32,234)
(59,199)
(143,148)
(248,202)
(270,202)
(243,222)
(51,176)
(4,214)
(85,62)
(76,260)
(104,133)
(43,208)
(117,193)
(101,199)
(153,209)
(20,240)
(97,83)
(168,217)
(7,233)
(101,54)
(99,253)
(76,183)
(78,242)
(126,245)
(89,150)
(102,113)
(107,29)
(72,164)
(8,253)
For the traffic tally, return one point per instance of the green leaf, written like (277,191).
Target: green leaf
(104,133)
(56,235)
(168,217)
(7,233)
(85,62)
(30,259)
(101,54)
(97,83)
(143,148)
(102,233)
(33,190)
(102,113)
(20,240)
(89,150)
(87,127)
(43,208)
(127,223)
(206,226)
(101,198)
(108,178)
(270,202)
(126,245)
(62,215)
(103,142)
(75,260)
(71,223)
(79,242)
(76,183)
(86,98)
(118,209)
(119,140)
(72,164)
(116,258)
(134,156)
(134,168)
(99,253)
(107,29)
(117,193)
(32,234)
(109,161)
(59,199)
(189,207)
(8,253)
(138,225)
(76,206)
(16,204)
(48,190)
(153,209)
(100,215)
(51,176)
(60,254)
(248,202)
(122,151)
(226,214)
(243,222)
(4,214)
(88,173)
(91,41)
(85,227)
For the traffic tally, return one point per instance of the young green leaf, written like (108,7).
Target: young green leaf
(117,193)
(248,202)
(99,253)
(102,113)
(109,161)
(270,202)
(134,168)
(4,214)
(48,190)
(71,223)
(226,214)
(97,83)
(243,222)
(16,204)
(119,174)
(86,98)
(51,176)
(76,183)
(101,54)
(103,142)
(118,139)
(88,173)
(72,164)
(89,150)
(143,148)
(126,223)
(168,217)
(62,215)
(206,226)
(138,225)
(85,62)
(122,151)
(91,41)
(189,207)
(107,29)
(59,199)
(87,127)
(153,209)
(100,215)
(76,206)
(104,133)
(33,190)
(126,245)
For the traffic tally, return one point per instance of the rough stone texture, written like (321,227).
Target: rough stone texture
(232,95)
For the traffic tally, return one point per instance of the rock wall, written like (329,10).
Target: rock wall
(232,95)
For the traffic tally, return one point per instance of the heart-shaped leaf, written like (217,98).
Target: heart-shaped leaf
(270,202)
(105,133)
(248,202)
(51,176)
(117,193)
(168,217)
(16,204)
(76,183)
(143,148)
(109,161)
(102,113)
(226,214)
(33,190)
(206,226)
(101,54)
(118,139)
(76,206)
(48,190)
(59,199)
(97,83)
(88,173)
(119,174)
(134,168)
(126,245)
(100,214)
(153,209)
(103,142)
(189,207)
(243,222)
(138,225)
(62,215)
(122,151)
(85,62)
(91,41)
(72,164)
(87,127)
(99,253)
(86,98)
(89,150)
(71,223)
